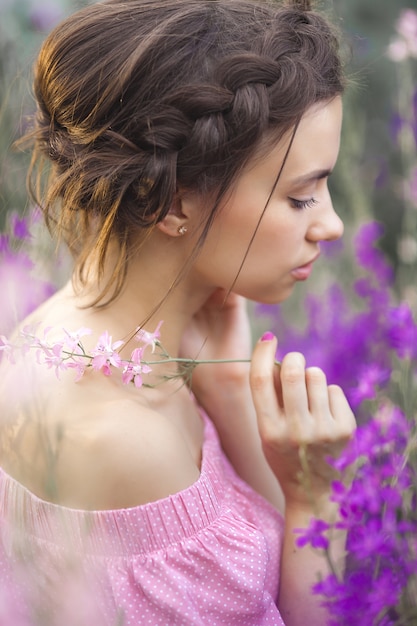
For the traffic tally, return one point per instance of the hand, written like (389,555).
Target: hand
(301,421)
(219,330)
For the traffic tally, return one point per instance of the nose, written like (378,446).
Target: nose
(325,224)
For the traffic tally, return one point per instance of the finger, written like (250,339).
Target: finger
(317,392)
(341,411)
(277,384)
(262,382)
(294,390)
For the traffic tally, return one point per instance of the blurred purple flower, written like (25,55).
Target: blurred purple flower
(313,535)
(21,291)
(379,538)
(396,125)
(402,333)
(332,248)
(368,256)
(4,243)
(43,16)
(20,227)
(370,378)
(357,346)
(354,347)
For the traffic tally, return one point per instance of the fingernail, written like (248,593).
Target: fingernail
(268,336)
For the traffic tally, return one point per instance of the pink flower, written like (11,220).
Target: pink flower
(7,348)
(134,369)
(105,354)
(147,338)
(52,357)
(406,25)
(50,354)
(397,50)
(79,367)
(73,339)
(405,45)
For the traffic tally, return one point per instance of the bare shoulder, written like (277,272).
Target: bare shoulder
(94,444)
(126,456)
(89,445)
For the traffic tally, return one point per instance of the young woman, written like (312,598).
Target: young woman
(190,143)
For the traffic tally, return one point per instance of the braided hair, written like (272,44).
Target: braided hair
(139,98)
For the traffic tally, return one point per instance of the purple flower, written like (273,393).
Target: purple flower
(402,331)
(22,292)
(313,535)
(381,529)
(370,378)
(332,248)
(20,227)
(354,344)
(396,125)
(369,257)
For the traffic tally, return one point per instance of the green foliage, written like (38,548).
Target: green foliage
(23,26)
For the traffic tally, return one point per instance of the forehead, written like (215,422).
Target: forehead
(312,146)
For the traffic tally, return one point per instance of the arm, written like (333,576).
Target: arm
(298,412)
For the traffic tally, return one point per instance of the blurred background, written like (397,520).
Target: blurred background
(357,316)
(376,177)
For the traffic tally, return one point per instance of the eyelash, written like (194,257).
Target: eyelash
(303,204)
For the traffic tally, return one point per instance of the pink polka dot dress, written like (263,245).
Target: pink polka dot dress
(208,555)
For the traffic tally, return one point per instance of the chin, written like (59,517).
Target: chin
(272,298)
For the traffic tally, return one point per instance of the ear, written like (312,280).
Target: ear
(178,219)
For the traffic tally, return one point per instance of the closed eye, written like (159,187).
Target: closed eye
(303,204)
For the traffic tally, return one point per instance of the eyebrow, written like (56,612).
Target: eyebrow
(312,176)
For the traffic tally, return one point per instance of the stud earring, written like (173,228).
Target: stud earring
(182,230)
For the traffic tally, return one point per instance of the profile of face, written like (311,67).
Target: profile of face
(279,243)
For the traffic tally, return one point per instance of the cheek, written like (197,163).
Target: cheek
(278,229)
(236,230)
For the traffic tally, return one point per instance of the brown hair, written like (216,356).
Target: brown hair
(137,98)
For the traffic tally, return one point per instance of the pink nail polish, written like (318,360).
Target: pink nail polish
(268,336)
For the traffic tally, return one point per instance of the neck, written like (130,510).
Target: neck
(150,294)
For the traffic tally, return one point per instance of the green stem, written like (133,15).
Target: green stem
(170,359)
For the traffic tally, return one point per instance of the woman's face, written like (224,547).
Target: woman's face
(299,214)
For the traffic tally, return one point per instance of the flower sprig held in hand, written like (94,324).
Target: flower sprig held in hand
(68,352)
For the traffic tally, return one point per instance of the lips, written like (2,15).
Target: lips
(304,271)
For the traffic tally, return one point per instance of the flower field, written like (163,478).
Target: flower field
(356,318)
